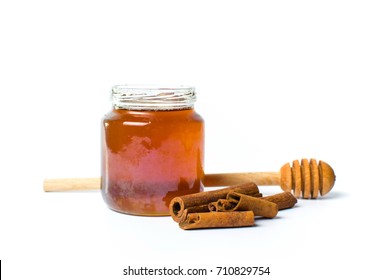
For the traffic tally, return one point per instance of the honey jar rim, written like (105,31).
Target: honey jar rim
(153,97)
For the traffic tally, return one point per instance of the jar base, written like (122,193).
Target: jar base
(140,214)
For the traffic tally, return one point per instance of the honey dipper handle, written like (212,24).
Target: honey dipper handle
(230,179)
(210,180)
(71,184)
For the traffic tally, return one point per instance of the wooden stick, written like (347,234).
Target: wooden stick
(229,179)
(305,180)
(210,180)
(71,184)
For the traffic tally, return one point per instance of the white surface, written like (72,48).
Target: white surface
(276,81)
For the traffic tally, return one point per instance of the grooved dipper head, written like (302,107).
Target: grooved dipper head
(307,179)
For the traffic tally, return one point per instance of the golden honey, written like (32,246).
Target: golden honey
(152,149)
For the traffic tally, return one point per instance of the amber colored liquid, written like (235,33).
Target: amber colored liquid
(149,157)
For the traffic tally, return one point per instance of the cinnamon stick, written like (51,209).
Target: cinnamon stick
(241,202)
(221,205)
(198,202)
(284,200)
(217,220)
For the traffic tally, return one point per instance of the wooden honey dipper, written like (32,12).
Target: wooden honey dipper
(305,180)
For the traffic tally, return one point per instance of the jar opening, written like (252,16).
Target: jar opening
(146,97)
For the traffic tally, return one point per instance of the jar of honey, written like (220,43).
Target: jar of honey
(152,148)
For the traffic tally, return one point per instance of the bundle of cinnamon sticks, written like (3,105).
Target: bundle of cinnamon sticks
(235,206)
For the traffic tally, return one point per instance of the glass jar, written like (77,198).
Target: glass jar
(152,148)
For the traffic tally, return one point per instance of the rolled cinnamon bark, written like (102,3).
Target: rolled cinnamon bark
(221,205)
(217,220)
(241,202)
(284,200)
(198,202)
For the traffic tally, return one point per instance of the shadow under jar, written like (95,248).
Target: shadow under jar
(152,149)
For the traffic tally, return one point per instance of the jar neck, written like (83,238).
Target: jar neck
(153,98)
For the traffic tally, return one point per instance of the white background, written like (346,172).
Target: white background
(276,81)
